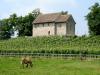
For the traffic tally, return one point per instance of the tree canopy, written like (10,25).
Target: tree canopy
(22,24)
(93,18)
(5,29)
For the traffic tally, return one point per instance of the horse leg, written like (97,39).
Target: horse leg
(27,65)
(31,64)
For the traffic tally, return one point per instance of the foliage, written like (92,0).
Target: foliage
(53,44)
(22,24)
(93,18)
(5,29)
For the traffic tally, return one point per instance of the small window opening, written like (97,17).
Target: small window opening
(48,32)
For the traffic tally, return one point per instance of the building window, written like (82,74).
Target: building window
(43,25)
(59,25)
(48,32)
(34,26)
(48,24)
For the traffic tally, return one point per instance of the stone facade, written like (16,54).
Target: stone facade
(66,28)
(45,29)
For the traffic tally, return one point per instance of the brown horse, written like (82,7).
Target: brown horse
(26,60)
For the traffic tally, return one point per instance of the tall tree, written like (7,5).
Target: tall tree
(25,23)
(93,18)
(22,24)
(13,21)
(5,29)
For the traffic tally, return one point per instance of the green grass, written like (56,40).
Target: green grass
(50,66)
(53,43)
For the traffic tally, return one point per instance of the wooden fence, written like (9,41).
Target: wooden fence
(82,56)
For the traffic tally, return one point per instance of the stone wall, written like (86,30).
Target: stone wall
(70,28)
(47,29)
(61,29)
(43,29)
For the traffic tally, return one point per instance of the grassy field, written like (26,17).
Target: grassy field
(53,43)
(50,66)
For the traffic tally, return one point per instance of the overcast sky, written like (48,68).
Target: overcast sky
(78,8)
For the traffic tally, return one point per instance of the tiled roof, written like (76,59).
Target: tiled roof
(62,18)
(52,17)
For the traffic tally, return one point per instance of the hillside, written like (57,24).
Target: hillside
(53,44)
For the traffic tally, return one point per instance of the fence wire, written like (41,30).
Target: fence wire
(82,56)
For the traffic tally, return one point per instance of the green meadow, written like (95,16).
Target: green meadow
(49,66)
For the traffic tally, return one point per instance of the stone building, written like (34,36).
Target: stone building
(54,24)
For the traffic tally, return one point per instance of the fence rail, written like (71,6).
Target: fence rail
(52,55)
